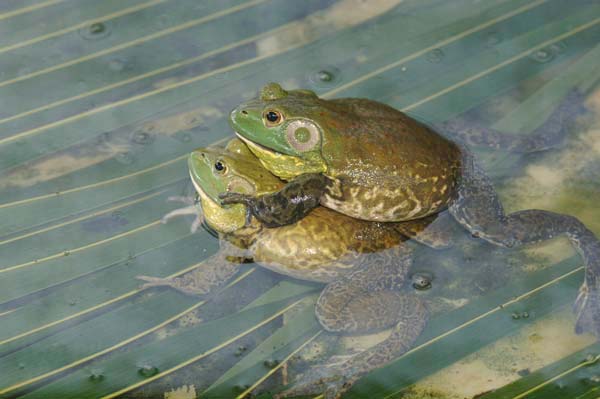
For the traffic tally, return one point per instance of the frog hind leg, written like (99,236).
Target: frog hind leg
(435,231)
(286,206)
(366,300)
(550,134)
(478,209)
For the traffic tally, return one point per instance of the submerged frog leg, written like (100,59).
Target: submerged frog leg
(365,300)
(286,206)
(434,231)
(549,134)
(478,208)
(210,274)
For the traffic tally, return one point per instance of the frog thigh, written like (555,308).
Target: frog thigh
(434,231)
(335,377)
(360,300)
(478,209)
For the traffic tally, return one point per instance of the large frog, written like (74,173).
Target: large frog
(370,161)
(363,264)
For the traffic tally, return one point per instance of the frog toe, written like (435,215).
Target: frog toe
(230,198)
(152,282)
(587,310)
(330,380)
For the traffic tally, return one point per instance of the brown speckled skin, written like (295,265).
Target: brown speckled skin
(393,167)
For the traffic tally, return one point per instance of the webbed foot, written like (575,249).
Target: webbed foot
(587,310)
(331,380)
(175,283)
(190,209)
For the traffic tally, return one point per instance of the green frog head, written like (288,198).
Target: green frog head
(286,129)
(215,170)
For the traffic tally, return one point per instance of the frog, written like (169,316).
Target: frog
(363,264)
(370,161)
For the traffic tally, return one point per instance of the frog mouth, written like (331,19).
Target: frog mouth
(255,147)
(282,165)
(201,193)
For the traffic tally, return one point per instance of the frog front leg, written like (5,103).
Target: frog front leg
(286,206)
(478,208)
(206,276)
(363,301)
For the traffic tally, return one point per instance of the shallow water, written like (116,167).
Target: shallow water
(103,100)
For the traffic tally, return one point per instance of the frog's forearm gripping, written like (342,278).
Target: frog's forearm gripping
(478,208)
(286,206)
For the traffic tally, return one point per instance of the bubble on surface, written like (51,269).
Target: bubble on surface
(435,56)
(325,77)
(142,137)
(147,370)
(95,31)
(492,39)
(542,55)
(125,158)
(421,281)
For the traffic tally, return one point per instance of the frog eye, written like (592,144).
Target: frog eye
(272,117)
(302,135)
(220,167)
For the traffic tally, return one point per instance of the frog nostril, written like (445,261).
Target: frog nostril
(244,112)
(203,155)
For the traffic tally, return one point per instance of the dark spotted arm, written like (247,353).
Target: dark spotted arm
(286,206)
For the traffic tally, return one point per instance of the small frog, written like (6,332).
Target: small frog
(373,162)
(363,264)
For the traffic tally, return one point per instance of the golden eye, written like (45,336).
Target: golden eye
(220,167)
(273,118)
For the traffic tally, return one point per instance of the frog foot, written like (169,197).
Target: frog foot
(154,282)
(587,309)
(175,283)
(331,380)
(190,209)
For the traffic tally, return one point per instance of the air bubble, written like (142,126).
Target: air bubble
(543,55)
(95,31)
(96,375)
(183,137)
(271,364)
(147,370)
(116,65)
(142,137)
(435,56)
(421,281)
(125,158)
(325,77)
(492,39)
